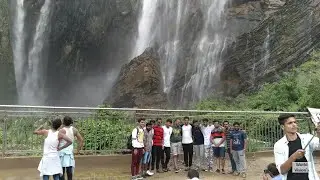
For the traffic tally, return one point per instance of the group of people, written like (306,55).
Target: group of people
(201,142)
(58,156)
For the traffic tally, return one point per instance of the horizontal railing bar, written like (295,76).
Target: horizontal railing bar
(48,112)
(159,110)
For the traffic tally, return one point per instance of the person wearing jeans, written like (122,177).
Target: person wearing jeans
(228,130)
(138,149)
(157,148)
(206,131)
(187,143)
(148,137)
(167,131)
(198,145)
(238,143)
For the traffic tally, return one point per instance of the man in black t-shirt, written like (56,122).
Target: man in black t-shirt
(292,160)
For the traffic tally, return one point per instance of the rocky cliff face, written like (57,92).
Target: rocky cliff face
(139,83)
(280,42)
(7,83)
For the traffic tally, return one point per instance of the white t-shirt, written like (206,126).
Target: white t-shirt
(206,131)
(137,141)
(166,136)
(187,134)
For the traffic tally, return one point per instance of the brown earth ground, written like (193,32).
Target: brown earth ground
(118,167)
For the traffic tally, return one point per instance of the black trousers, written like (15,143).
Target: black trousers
(188,154)
(156,156)
(166,152)
(68,171)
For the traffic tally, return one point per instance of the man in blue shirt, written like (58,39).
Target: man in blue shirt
(238,144)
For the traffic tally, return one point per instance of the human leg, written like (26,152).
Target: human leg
(190,154)
(233,164)
(153,157)
(167,153)
(69,171)
(64,172)
(45,177)
(56,177)
(134,162)
(222,157)
(197,155)
(202,159)
(158,157)
(242,161)
(185,154)
(236,160)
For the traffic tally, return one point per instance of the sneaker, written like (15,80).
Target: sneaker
(231,172)
(176,170)
(236,174)
(187,169)
(165,170)
(243,175)
(222,171)
(218,171)
(139,177)
(134,178)
(149,173)
(159,171)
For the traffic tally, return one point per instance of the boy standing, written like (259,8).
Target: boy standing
(187,143)
(218,143)
(157,147)
(176,138)
(206,129)
(198,144)
(148,137)
(167,131)
(138,148)
(238,144)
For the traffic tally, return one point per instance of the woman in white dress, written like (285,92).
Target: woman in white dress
(50,164)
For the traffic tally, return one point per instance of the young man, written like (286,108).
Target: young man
(206,131)
(293,159)
(198,145)
(152,122)
(148,138)
(157,147)
(228,130)
(218,138)
(187,143)
(238,145)
(66,155)
(138,148)
(167,131)
(176,138)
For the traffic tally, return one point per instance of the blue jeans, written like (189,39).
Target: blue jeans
(55,177)
(233,163)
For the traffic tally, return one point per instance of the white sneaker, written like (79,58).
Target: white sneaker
(149,173)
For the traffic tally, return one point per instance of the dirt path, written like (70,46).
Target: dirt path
(113,168)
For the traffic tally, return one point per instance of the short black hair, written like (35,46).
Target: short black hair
(186,117)
(67,121)
(177,119)
(226,121)
(284,117)
(205,120)
(195,121)
(272,168)
(56,124)
(148,124)
(141,119)
(236,123)
(216,121)
(193,174)
(169,120)
(159,119)
(152,121)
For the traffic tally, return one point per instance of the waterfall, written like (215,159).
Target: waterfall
(18,45)
(209,48)
(33,88)
(145,26)
(266,47)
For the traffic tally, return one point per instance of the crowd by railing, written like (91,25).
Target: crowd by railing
(106,130)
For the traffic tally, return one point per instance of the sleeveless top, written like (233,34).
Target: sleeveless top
(69,134)
(50,147)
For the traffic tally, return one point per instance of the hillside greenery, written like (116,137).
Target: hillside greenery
(297,89)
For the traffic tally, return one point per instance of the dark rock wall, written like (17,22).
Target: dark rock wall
(294,33)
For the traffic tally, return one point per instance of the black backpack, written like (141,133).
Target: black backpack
(129,140)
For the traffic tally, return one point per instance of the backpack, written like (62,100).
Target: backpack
(129,140)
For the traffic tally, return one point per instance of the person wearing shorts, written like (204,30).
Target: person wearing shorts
(148,138)
(175,139)
(218,139)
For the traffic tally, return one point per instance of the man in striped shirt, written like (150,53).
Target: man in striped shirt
(228,129)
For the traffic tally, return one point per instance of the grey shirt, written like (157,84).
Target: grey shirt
(148,137)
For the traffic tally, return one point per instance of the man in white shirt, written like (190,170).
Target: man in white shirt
(167,131)
(206,131)
(187,143)
(292,160)
(138,149)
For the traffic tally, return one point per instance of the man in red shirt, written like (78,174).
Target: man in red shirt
(157,147)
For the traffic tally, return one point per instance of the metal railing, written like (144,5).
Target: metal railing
(106,130)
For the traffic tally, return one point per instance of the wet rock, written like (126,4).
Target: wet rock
(139,83)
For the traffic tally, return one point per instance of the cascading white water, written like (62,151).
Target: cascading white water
(209,48)
(145,26)
(266,47)
(32,91)
(18,45)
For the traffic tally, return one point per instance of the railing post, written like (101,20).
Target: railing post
(4,136)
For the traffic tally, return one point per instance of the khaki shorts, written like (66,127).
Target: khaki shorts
(176,148)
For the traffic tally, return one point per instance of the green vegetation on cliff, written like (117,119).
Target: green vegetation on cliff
(296,90)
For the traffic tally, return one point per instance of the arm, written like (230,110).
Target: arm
(283,165)
(79,138)
(40,131)
(63,136)
(231,140)
(245,141)
(134,136)
(162,135)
